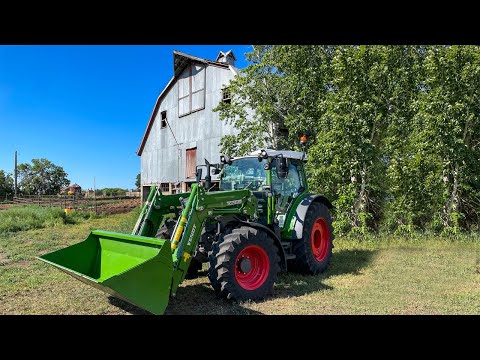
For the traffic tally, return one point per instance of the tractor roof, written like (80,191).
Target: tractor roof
(286,153)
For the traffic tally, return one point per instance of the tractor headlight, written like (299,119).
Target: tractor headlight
(263,154)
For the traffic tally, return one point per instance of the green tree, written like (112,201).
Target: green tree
(113,192)
(448,121)
(6,184)
(138,182)
(285,85)
(406,203)
(396,131)
(41,176)
(347,162)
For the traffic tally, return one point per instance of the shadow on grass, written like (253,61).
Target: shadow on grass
(344,262)
(197,299)
(200,299)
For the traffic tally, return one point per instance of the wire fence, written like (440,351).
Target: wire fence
(64,201)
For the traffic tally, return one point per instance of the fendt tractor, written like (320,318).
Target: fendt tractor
(259,219)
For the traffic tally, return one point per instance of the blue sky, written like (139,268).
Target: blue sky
(85,108)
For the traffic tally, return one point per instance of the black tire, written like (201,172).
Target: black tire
(212,263)
(212,257)
(165,231)
(313,255)
(253,251)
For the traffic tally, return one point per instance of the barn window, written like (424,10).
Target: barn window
(226,96)
(165,187)
(163,117)
(191,164)
(191,89)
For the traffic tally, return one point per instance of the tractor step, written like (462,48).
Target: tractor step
(287,247)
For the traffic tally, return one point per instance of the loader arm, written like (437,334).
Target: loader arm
(202,205)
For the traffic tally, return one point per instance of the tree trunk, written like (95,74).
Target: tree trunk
(361,202)
(454,200)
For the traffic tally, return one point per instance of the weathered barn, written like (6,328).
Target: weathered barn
(73,189)
(183,130)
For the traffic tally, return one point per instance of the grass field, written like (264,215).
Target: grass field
(391,276)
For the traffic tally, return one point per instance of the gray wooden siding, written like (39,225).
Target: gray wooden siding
(162,160)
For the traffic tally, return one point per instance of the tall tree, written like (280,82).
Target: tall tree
(285,85)
(138,182)
(406,203)
(396,131)
(347,161)
(41,177)
(6,184)
(449,119)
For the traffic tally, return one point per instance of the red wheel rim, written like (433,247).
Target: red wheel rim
(252,267)
(320,239)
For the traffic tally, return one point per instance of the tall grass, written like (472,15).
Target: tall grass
(36,217)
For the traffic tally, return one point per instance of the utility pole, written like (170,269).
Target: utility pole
(94,195)
(15,174)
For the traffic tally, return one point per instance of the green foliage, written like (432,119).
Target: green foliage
(41,176)
(113,192)
(138,182)
(395,130)
(6,184)
(277,85)
(29,217)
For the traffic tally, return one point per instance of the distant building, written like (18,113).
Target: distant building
(89,193)
(132,193)
(183,130)
(74,189)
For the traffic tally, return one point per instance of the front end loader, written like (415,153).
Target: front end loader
(260,221)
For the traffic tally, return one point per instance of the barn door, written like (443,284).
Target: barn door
(191,163)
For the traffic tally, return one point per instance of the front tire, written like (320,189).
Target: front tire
(247,265)
(314,250)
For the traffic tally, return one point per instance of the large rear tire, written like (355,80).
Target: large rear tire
(314,250)
(165,231)
(212,263)
(246,265)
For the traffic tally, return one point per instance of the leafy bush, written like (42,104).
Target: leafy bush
(30,217)
(36,217)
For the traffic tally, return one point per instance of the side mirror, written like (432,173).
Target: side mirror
(282,167)
(198,174)
(225,159)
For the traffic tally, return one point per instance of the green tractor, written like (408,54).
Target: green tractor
(260,220)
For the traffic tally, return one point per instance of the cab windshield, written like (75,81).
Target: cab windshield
(246,173)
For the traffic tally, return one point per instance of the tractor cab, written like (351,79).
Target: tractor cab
(274,174)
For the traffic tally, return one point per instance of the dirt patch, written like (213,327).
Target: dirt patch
(43,252)
(22,263)
(118,207)
(6,206)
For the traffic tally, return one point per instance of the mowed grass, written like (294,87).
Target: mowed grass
(388,276)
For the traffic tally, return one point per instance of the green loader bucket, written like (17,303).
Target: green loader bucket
(134,268)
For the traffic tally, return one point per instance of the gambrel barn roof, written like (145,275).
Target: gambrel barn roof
(180,62)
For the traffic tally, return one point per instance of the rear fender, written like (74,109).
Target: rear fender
(301,212)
